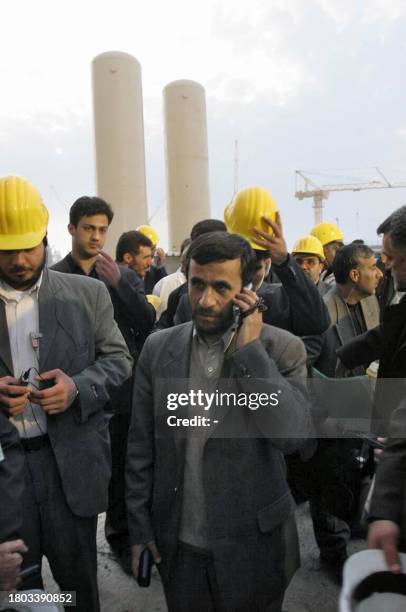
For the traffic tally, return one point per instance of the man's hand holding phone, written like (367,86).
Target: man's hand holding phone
(137,551)
(250,329)
(13,395)
(10,563)
(58,397)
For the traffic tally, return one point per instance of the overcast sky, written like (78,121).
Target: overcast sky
(312,84)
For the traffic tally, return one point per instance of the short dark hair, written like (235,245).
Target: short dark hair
(347,259)
(87,206)
(260,255)
(185,244)
(130,242)
(395,225)
(222,246)
(206,226)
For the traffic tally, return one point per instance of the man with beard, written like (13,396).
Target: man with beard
(61,353)
(212,503)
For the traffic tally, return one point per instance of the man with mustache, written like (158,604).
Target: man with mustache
(213,504)
(61,354)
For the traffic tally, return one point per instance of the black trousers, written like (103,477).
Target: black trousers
(192,586)
(116,526)
(51,529)
(332,533)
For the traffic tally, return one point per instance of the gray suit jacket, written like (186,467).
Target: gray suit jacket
(81,338)
(341,332)
(247,497)
(11,480)
(338,310)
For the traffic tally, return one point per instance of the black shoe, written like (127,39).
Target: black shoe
(334,566)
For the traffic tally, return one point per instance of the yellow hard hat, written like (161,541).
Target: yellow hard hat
(23,215)
(327,232)
(154,300)
(149,232)
(246,210)
(309,244)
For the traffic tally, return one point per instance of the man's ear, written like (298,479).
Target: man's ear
(71,229)
(354,275)
(127,258)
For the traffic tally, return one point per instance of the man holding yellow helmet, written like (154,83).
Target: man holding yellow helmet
(157,269)
(295,305)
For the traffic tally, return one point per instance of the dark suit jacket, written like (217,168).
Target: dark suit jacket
(11,480)
(386,342)
(152,277)
(167,319)
(389,496)
(248,499)
(81,338)
(132,313)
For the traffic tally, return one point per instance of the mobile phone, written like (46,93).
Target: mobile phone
(144,568)
(369,439)
(29,571)
(46,384)
(237,313)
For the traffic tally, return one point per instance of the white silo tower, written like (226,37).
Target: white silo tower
(186,157)
(119,138)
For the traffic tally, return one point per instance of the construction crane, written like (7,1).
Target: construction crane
(320,193)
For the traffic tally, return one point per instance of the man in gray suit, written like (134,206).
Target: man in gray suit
(61,354)
(352,305)
(212,502)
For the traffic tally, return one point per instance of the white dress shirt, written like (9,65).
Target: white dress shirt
(22,313)
(164,288)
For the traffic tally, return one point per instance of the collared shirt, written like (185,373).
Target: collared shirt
(22,313)
(165,286)
(74,267)
(206,363)
(211,354)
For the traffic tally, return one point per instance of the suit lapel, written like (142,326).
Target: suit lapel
(342,309)
(178,361)
(48,319)
(5,351)
(176,367)
(370,310)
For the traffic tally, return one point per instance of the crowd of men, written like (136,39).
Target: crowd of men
(92,349)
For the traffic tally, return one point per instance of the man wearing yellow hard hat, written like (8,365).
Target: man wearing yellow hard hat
(60,354)
(295,304)
(332,239)
(309,255)
(157,268)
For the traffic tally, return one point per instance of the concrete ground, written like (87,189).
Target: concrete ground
(311,590)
